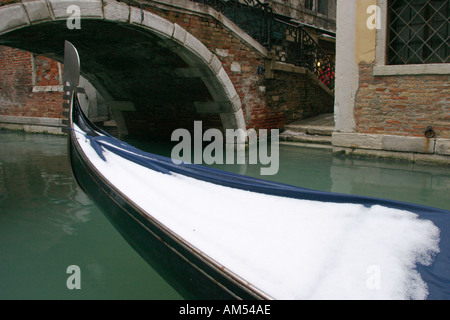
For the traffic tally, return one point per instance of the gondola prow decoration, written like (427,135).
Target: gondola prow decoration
(71,80)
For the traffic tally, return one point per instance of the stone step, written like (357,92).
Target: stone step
(293,136)
(320,125)
(316,130)
(309,129)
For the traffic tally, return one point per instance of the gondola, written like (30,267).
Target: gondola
(219,235)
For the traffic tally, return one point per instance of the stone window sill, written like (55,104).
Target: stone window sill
(54,88)
(412,69)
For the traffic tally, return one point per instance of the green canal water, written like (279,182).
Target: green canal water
(48,224)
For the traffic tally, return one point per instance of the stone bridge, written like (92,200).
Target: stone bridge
(161,65)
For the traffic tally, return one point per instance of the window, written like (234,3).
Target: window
(309,4)
(321,6)
(418,32)
(316,5)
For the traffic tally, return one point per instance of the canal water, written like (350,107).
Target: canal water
(47,224)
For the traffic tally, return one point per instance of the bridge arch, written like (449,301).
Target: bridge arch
(40,26)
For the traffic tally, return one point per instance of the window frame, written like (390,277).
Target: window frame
(383,69)
(316,6)
(310,5)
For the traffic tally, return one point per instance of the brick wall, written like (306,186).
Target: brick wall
(265,103)
(239,60)
(402,105)
(292,96)
(16,85)
(47,72)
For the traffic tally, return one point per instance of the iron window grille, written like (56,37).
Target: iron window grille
(418,32)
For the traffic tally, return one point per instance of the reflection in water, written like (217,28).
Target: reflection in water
(38,189)
(47,223)
(397,180)
(318,169)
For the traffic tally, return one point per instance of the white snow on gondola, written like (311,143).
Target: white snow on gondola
(287,248)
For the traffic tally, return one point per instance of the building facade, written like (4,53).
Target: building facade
(317,16)
(392,94)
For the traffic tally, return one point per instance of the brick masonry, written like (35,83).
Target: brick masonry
(16,85)
(289,90)
(268,104)
(239,60)
(402,105)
